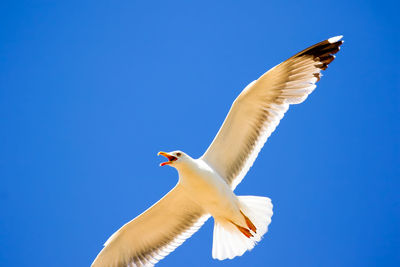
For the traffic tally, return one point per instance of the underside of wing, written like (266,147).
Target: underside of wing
(257,111)
(154,234)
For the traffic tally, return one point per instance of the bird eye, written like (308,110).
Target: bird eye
(178,154)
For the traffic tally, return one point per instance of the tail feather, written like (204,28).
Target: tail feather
(229,241)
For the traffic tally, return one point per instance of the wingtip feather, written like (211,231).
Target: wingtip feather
(335,39)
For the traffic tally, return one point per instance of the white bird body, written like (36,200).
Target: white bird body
(209,190)
(205,186)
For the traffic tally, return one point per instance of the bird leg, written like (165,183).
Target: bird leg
(244,231)
(249,223)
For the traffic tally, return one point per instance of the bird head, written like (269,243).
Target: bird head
(174,157)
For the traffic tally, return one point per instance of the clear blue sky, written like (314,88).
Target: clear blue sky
(91,91)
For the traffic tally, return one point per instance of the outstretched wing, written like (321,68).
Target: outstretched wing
(257,111)
(153,234)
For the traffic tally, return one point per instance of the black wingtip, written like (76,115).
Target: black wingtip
(323,52)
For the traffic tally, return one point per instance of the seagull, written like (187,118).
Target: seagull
(205,186)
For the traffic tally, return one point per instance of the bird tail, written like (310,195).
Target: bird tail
(231,240)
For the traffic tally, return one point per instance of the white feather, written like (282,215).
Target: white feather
(229,242)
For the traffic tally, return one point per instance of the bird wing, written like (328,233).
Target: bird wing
(153,234)
(257,111)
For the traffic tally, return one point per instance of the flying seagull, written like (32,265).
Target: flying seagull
(205,186)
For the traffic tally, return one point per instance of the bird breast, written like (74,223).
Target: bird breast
(205,187)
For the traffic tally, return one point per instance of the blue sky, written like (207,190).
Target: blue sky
(91,91)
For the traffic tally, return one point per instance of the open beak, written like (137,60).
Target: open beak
(170,158)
